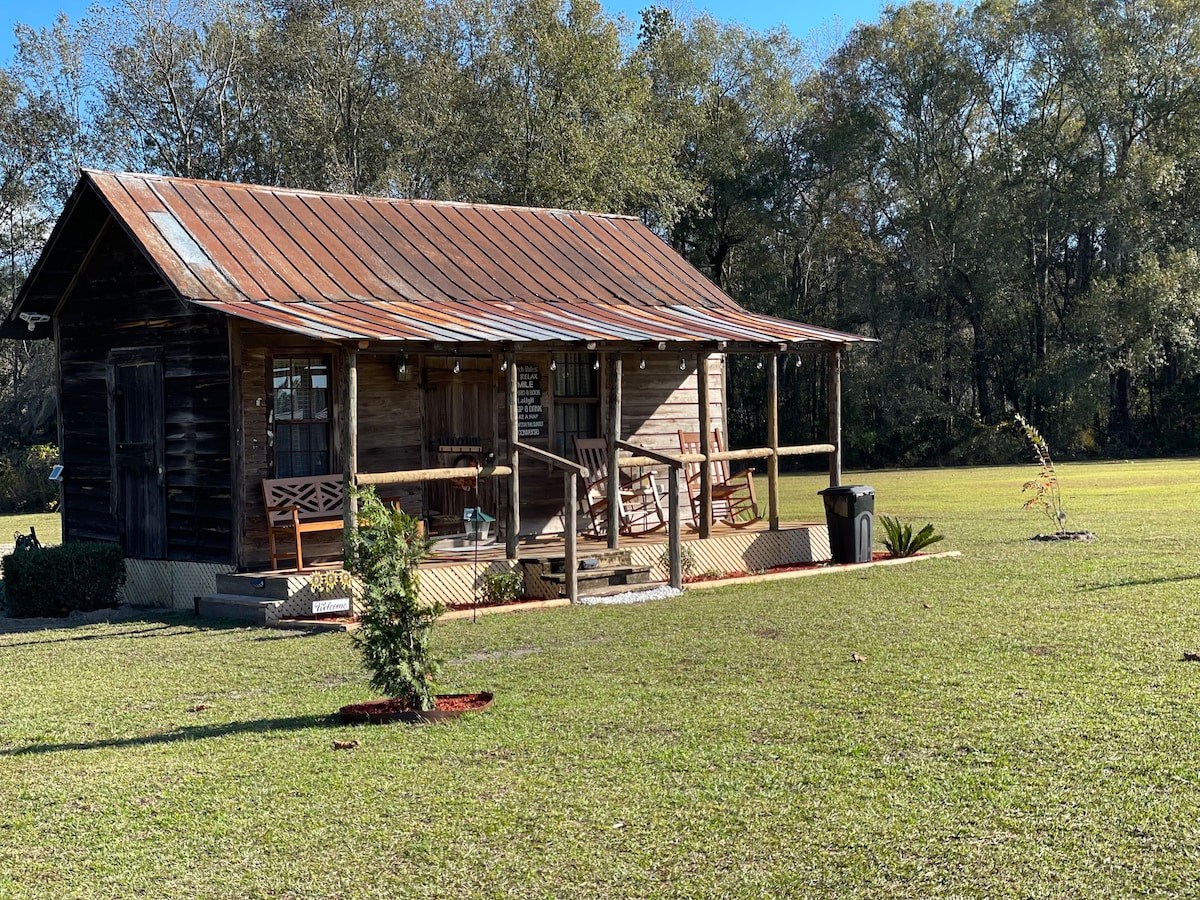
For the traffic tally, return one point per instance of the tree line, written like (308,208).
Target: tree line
(1004,194)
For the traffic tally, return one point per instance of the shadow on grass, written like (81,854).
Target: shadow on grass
(1141,582)
(190,733)
(33,631)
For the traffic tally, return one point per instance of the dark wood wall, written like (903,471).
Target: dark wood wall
(119,301)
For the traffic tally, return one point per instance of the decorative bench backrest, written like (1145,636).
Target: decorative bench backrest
(315,497)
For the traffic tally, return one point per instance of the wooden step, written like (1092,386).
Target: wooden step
(261,585)
(257,610)
(591,581)
(610,590)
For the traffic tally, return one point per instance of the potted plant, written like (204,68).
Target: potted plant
(396,626)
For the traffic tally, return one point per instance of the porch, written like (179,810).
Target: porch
(455,577)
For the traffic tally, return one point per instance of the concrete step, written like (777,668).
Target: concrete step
(264,586)
(258,610)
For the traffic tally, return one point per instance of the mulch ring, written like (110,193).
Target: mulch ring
(1065,536)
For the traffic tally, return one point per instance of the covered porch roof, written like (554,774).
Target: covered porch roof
(352,268)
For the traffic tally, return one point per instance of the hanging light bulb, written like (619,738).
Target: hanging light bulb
(553,363)
(797,360)
(596,364)
(504,365)
(759,366)
(457,366)
(642,361)
(682,363)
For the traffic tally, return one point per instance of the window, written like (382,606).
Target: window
(301,416)
(576,401)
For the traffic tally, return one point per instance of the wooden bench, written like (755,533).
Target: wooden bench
(296,506)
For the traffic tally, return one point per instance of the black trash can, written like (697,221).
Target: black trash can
(850,515)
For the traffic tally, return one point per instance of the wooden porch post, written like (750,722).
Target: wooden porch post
(514,480)
(706,512)
(349,434)
(614,435)
(571,562)
(773,440)
(835,416)
(674,534)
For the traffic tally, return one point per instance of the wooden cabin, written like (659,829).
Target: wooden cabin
(213,335)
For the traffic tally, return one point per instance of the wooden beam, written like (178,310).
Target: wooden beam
(706,513)
(570,534)
(835,417)
(415,476)
(674,532)
(614,437)
(349,434)
(773,440)
(512,539)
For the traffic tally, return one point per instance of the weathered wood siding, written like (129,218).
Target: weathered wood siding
(660,400)
(389,423)
(120,301)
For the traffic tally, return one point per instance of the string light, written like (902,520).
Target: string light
(759,366)
(682,363)
(797,360)
(553,363)
(457,366)
(504,366)
(642,361)
(596,364)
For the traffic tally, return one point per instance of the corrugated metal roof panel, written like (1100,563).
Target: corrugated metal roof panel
(343,267)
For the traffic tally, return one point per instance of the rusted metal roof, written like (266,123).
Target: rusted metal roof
(349,267)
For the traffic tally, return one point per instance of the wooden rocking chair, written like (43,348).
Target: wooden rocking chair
(733,500)
(641,506)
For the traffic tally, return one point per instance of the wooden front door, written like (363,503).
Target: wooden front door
(460,430)
(135,412)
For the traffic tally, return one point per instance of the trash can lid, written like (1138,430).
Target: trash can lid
(848,490)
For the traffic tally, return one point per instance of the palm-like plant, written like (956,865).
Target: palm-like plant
(901,540)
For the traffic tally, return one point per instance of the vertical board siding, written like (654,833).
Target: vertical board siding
(120,301)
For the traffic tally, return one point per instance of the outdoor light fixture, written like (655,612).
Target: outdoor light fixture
(596,364)
(457,366)
(759,366)
(642,361)
(33,320)
(504,365)
(682,363)
(797,360)
(553,362)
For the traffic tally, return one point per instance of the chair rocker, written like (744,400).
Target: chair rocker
(733,499)
(641,507)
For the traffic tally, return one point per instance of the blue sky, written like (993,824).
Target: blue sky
(805,20)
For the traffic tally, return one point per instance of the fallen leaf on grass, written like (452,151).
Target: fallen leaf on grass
(345,745)
(200,707)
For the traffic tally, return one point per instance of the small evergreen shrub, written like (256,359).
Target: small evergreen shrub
(56,581)
(501,587)
(395,625)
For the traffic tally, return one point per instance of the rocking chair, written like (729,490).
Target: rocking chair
(733,500)
(640,505)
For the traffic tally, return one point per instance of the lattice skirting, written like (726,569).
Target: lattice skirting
(743,551)
(457,583)
(167,584)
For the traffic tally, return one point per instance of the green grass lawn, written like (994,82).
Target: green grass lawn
(1023,726)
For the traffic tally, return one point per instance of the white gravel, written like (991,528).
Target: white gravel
(658,593)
